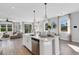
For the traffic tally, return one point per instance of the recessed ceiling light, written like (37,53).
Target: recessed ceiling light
(12,7)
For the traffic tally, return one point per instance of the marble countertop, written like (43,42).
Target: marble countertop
(42,38)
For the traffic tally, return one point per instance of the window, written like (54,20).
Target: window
(28,28)
(9,27)
(64,23)
(64,26)
(3,27)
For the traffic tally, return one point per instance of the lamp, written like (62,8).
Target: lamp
(46,18)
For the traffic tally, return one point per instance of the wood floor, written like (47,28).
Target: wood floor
(15,47)
(69,48)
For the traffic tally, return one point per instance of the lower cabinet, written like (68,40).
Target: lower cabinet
(32,44)
(41,47)
(27,42)
(46,47)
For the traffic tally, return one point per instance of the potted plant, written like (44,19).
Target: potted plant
(49,27)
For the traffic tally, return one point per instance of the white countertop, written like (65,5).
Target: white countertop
(42,38)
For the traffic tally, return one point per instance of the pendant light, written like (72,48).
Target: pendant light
(45,11)
(34,23)
(46,18)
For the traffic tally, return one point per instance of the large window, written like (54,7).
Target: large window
(64,23)
(28,28)
(9,26)
(64,26)
(5,27)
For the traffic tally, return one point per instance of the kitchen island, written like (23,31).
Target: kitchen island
(41,45)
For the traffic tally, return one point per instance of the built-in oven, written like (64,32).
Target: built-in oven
(35,46)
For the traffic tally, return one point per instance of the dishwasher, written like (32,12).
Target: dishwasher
(35,46)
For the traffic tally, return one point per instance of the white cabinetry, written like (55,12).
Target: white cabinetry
(46,47)
(27,41)
(42,45)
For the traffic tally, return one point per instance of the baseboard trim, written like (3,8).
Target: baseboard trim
(75,42)
(70,41)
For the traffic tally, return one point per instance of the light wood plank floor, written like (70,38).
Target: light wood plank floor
(69,48)
(13,47)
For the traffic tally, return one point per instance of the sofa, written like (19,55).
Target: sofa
(16,35)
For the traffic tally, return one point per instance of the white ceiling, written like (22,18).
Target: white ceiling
(24,11)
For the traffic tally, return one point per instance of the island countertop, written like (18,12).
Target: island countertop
(47,38)
(45,44)
(44,38)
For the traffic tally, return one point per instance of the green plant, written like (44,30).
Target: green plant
(49,27)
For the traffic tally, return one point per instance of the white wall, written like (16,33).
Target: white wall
(55,20)
(16,26)
(22,29)
(63,35)
(75,22)
(51,20)
(74,31)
